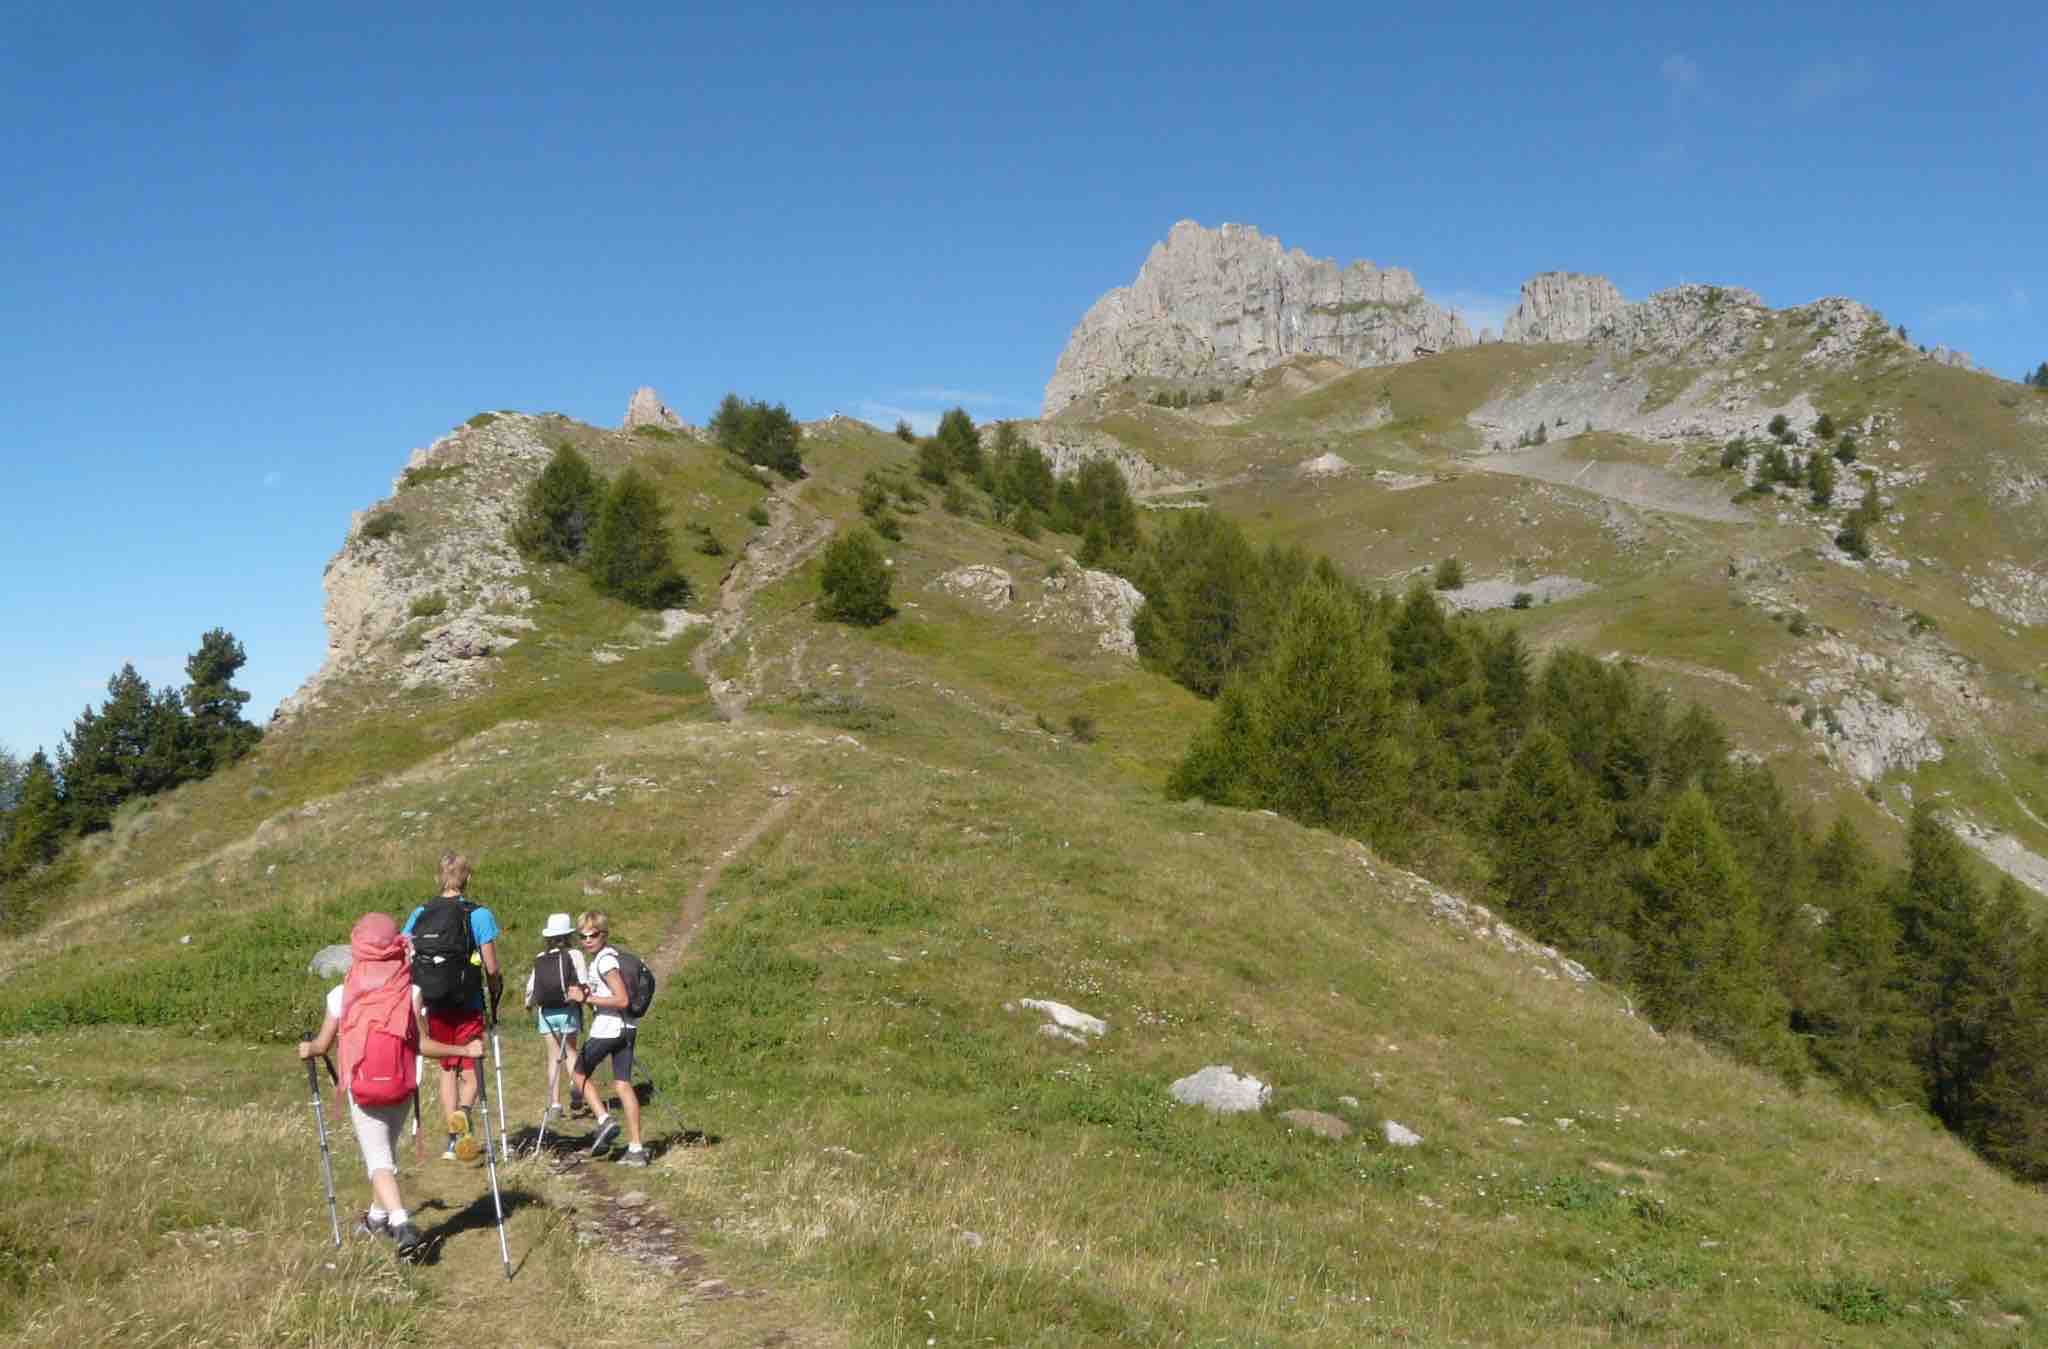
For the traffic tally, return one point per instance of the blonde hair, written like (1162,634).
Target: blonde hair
(595,918)
(454,872)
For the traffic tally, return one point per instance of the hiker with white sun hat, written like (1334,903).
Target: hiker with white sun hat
(558,967)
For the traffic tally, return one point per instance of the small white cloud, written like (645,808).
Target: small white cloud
(273,478)
(1681,75)
(960,397)
(886,415)
(1827,81)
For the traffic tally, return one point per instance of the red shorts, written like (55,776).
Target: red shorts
(453,1027)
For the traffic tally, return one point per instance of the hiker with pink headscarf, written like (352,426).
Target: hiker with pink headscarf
(374,1020)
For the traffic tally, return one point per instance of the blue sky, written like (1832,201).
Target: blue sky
(250,259)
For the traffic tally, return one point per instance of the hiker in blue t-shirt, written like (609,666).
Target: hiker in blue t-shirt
(460,1082)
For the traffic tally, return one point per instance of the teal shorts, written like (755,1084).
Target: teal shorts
(561,1020)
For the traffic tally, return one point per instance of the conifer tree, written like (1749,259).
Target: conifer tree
(631,554)
(1856,1021)
(220,733)
(1820,478)
(559,509)
(36,820)
(1427,657)
(1548,835)
(1939,911)
(2013,1128)
(759,433)
(131,746)
(1311,732)
(1700,967)
(961,442)
(855,581)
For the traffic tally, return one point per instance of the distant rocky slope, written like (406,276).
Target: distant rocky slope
(1229,302)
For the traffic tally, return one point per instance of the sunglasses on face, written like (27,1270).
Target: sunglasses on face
(590,936)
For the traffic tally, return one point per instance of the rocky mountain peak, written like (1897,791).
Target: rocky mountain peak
(647,409)
(1228,302)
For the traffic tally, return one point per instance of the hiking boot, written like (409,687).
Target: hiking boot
(633,1157)
(448,1154)
(579,1108)
(467,1150)
(373,1225)
(411,1245)
(602,1139)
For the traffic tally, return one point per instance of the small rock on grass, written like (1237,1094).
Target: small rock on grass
(1400,1135)
(1219,1088)
(1316,1122)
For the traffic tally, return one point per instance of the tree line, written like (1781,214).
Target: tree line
(1606,820)
(138,742)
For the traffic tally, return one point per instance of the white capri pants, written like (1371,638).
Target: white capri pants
(377,1128)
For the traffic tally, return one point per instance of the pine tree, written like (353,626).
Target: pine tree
(1820,478)
(559,509)
(1857,1023)
(35,820)
(1309,730)
(960,441)
(1548,839)
(631,555)
(138,742)
(2013,1128)
(1939,912)
(759,433)
(854,583)
(1700,965)
(215,704)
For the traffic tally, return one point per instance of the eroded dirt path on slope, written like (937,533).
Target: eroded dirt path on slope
(779,549)
(610,1209)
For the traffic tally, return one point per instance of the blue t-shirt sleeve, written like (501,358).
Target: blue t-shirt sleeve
(407,929)
(483,925)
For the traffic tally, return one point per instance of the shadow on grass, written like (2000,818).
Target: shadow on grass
(478,1214)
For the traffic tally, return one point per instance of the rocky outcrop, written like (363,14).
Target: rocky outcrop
(647,409)
(1562,307)
(1229,302)
(1066,448)
(1073,598)
(1707,323)
(427,588)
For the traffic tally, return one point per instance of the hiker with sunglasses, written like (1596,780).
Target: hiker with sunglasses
(611,1037)
(374,1020)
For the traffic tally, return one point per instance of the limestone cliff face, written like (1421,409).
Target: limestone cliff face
(1713,322)
(1562,307)
(1228,302)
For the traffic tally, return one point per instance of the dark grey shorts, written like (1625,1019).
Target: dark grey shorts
(617,1048)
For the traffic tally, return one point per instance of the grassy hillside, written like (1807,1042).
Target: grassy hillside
(859,1143)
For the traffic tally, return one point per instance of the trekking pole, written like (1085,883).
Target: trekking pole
(498,1058)
(540,1140)
(326,1157)
(419,1148)
(491,1165)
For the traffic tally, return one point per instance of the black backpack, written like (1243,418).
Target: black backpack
(639,982)
(553,973)
(442,944)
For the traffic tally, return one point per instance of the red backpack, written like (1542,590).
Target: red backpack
(387,1070)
